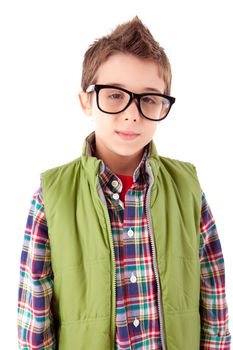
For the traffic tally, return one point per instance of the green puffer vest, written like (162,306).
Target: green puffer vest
(83,260)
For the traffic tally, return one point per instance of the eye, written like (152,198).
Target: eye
(151,100)
(115,96)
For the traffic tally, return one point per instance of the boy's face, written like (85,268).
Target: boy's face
(136,75)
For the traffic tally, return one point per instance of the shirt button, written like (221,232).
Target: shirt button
(130,233)
(115,196)
(115,183)
(136,322)
(133,278)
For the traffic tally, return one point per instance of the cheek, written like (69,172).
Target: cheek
(151,128)
(103,123)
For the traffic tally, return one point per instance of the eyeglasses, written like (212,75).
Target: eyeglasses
(113,100)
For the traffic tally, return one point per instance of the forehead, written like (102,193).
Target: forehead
(130,72)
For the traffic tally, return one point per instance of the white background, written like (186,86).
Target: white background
(41,48)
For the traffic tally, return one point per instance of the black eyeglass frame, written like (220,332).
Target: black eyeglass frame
(133,95)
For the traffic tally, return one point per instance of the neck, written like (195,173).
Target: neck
(123,165)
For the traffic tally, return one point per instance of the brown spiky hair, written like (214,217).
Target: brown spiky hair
(132,37)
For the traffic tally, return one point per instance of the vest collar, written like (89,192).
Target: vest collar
(94,166)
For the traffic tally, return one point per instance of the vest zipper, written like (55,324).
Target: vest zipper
(154,258)
(114,282)
(104,206)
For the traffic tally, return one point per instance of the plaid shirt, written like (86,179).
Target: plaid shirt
(137,321)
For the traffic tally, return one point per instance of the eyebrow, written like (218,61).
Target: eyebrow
(147,89)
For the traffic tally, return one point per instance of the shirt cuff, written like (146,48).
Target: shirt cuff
(215,342)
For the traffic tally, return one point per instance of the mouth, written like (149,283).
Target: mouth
(127,135)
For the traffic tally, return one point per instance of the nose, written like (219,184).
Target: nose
(132,112)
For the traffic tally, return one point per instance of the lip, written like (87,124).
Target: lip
(127,135)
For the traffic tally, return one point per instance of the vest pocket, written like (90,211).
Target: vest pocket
(83,292)
(86,336)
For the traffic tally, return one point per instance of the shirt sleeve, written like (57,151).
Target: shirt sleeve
(35,318)
(213,305)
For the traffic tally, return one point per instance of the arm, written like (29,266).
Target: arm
(213,306)
(35,319)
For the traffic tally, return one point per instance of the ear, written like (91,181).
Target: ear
(85,102)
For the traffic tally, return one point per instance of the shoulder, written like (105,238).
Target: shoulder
(61,168)
(176,163)
(181,173)
(180,176)
(175,166)
(55,177)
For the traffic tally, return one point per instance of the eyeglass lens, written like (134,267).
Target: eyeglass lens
(114,101)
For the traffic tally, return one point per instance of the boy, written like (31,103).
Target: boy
(121,249)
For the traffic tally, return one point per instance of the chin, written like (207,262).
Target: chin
(127,153)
